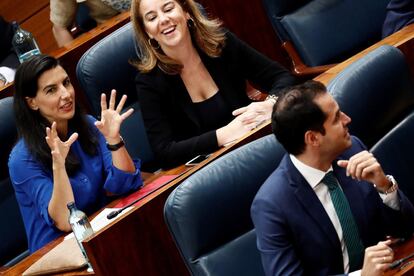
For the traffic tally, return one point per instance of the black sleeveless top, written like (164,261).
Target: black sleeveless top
(213,113)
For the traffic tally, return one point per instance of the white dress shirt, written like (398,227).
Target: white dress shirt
(314,177)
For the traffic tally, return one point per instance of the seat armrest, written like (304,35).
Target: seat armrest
(299,67)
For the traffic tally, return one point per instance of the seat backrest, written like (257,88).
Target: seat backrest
(395,152)
(327,31)
(376,91)
(209,213)
(13,241)
(106,66)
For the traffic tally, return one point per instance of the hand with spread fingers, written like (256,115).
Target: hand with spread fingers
(364,166)
(111,117)
(59,148)
(377,258)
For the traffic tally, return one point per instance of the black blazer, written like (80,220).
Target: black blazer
(172,126)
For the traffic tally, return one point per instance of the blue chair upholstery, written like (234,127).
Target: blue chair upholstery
(13,245)
(106,66)
(327,31)
(209,213)
(396,155)
(376,91)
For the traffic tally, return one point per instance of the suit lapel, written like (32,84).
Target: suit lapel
(311,203)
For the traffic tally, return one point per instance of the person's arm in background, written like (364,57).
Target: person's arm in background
(62,35)
(62,15)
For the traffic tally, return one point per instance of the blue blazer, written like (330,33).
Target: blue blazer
(294,233)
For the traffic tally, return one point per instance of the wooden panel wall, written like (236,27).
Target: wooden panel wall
(33,16)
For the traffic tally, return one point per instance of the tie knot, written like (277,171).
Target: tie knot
(330,180)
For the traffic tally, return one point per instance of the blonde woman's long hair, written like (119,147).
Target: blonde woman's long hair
(207,34)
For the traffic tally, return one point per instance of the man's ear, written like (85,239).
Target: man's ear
(312,138)
(31,102)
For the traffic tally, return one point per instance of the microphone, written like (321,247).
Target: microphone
(113,214)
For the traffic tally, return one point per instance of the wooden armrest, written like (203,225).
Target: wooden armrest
(301,69)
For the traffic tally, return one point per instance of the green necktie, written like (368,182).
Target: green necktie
(349,227)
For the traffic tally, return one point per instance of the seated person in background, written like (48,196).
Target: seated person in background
(63,13)
(63,155)
(329,199)
(400,13)
(8,59)
(192,81)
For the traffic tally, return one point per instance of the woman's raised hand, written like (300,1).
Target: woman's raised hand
(59,148)
(111,117)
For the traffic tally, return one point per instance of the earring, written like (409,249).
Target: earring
(190,23)
(153,43)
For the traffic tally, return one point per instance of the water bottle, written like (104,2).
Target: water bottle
(81,228)
(24,43)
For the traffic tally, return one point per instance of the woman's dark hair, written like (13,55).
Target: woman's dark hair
(296,112)
(31,125)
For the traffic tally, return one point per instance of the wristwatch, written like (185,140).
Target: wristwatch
(116,146)
(271,97)
(393,187)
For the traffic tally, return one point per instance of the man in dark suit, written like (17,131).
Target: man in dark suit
(329,202)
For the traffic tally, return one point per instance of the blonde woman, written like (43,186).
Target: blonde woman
(192,81)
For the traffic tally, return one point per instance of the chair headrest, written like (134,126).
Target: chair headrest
(105,66)
(213,205)
(376,91)
(323,31)
(395,153)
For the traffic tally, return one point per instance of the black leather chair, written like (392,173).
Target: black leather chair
(209,213)
(376,91)
(395,153)
(325,32)
(106,66)
(13,245)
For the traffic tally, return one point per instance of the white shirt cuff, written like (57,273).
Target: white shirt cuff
(391,200)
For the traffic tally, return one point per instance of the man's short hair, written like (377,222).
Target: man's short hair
(295,112)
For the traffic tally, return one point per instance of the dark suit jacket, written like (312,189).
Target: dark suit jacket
(7,56)
(171,122)
(400,13)
(294,233)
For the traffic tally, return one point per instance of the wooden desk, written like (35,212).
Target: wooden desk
(139,243)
